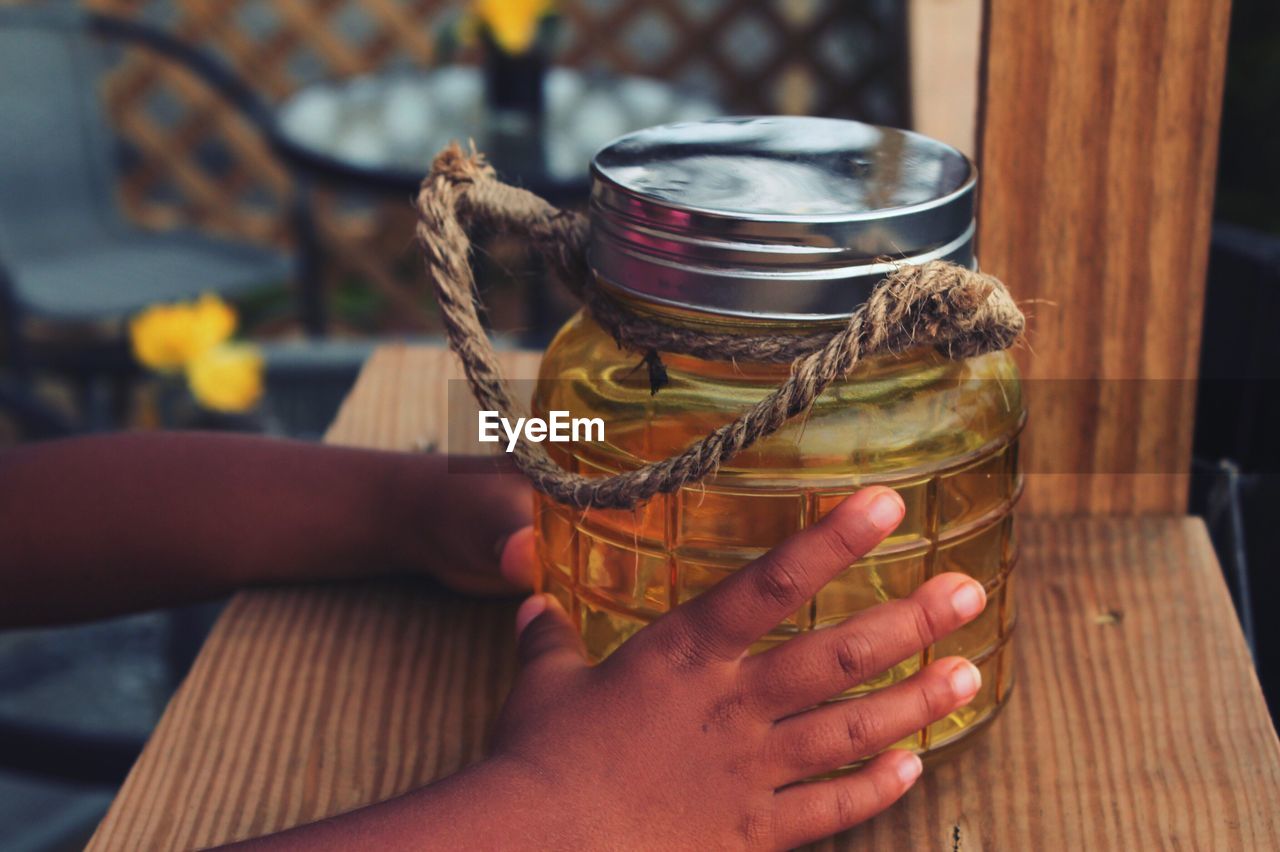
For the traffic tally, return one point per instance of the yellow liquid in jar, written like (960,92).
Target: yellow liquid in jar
(942,433)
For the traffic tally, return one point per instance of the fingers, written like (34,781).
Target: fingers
(723,622)
(545,633)
(840,733)
(517,563)
(809,812)
(815,666)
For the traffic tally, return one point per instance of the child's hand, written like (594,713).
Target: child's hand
(681,740)
(464,522)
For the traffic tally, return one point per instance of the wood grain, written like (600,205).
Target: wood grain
(1137,721)
(1098,141)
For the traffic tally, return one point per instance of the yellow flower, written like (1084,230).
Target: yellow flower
(214,322)
(168,337)
(227,377)
(513,23)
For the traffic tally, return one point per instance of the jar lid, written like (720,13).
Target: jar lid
(785,218)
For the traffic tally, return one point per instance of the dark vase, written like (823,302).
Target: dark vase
(513,85)
(515,101)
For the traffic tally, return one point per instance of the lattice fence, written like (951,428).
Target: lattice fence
(189,158)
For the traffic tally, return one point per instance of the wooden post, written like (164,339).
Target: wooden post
(1098,135)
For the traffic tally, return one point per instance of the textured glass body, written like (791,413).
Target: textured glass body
(942,433)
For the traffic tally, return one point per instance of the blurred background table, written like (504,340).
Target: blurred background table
(375,136)
(1137,721)
(380,131)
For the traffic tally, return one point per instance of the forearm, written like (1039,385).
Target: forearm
(96,526)
(492,805)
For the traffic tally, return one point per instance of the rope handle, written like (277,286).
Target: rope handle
(959,311)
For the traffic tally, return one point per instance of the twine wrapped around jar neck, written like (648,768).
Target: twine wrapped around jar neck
(960,312)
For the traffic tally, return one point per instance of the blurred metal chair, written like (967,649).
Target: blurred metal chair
(68,258)
(67,255)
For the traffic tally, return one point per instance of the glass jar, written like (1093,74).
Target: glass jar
(782,224)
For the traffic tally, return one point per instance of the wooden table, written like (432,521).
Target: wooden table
(1137,721)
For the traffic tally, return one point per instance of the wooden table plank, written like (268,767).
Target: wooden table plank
(1137,720)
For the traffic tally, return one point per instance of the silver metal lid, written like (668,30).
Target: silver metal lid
(784,218)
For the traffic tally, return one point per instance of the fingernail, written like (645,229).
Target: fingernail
(517,563)
(965,678)
(968,600)
(909,770)
(528,611)
(885,511)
